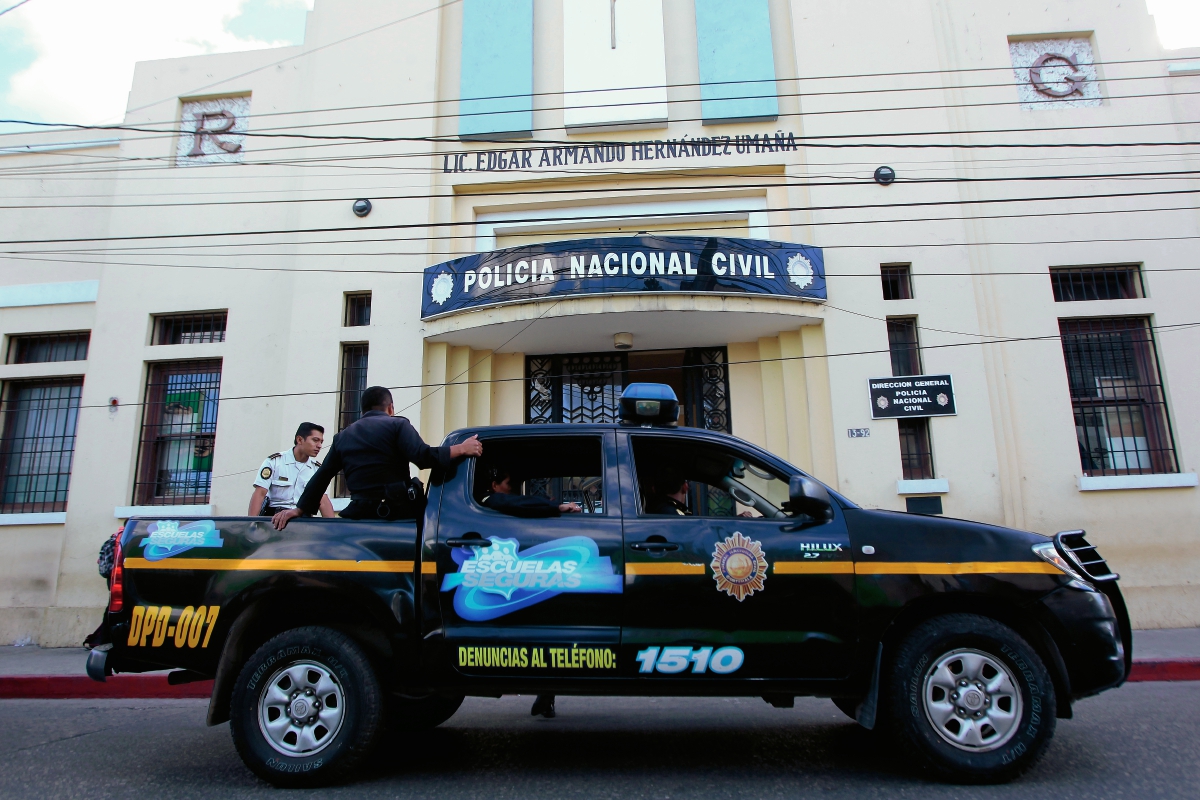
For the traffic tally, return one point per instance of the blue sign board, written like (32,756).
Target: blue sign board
(624,265)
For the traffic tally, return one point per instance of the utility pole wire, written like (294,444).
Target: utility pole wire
(11,8)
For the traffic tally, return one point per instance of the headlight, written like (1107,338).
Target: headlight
(1049,553)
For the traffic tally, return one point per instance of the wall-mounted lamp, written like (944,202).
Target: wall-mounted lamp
(623,341)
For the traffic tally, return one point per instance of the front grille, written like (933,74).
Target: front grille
(1076,549)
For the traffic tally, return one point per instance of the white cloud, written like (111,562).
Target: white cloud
(1178,22)
(86,49)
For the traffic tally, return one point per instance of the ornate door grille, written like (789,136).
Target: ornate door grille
(581,387)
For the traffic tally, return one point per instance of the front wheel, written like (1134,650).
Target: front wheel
(971,699)
(306,709)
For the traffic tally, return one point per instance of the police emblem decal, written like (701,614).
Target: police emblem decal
(800,271)
(265,474)
(739,566)
(442,288)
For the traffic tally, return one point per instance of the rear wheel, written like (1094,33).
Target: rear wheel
(306,708)
(971,699)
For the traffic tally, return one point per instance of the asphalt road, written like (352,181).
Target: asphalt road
(1142,741)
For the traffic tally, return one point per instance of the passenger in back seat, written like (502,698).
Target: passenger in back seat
(501,497)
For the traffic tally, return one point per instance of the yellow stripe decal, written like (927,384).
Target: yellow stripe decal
(813,568)
(272,564)
(428,568)
(668,568)
(956,568)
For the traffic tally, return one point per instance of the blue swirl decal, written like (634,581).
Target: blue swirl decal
(498,580)
(166,538)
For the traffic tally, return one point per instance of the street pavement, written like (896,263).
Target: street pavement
(1141,741)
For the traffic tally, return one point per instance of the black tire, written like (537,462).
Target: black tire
(407,715)
(1019,700)
(848,706)
(355,699)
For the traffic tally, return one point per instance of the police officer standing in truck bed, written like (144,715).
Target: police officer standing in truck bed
(374,453)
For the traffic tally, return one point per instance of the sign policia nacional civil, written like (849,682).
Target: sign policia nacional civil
(622,265)
(912,396)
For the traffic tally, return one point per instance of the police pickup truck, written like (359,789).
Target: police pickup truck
(961,642)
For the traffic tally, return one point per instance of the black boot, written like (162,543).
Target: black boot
(543,706)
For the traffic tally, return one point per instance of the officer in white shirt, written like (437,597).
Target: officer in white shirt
(283,476)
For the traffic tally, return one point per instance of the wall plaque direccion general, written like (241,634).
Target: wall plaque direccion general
(912,396)
(621,265)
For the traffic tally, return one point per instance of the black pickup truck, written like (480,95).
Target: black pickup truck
(961,642)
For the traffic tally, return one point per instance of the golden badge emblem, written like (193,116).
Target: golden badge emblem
(739,566)
(265,474)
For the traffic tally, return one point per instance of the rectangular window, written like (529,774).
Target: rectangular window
(496,81)
(567,469)
(38,445)
(43,348)
(916,449)
(200,328)
(358,310)
(903,346)
(351,385)
(1121,418)
(897,281)
(737,61)
(179,427)
(1120,282)
(353,382)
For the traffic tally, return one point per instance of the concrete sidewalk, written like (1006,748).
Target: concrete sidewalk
(1155,645)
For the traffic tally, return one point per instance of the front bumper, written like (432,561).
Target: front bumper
(1092,636)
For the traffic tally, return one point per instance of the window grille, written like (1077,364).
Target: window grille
(179,427)
(1119,282)
(38,444)
(352,384)
(897,281)
(358,310)
(42,348)
(1121,418)
(916,449)
(903,345)
(190,328)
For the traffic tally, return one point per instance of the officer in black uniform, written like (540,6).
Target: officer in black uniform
(374,453)
(669,495)
(503,498)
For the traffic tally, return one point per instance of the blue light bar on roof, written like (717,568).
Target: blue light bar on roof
(649,404)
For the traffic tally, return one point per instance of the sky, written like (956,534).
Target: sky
(72,60)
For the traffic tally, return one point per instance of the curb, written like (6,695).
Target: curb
(1165,669)
(81,687)
(155,686)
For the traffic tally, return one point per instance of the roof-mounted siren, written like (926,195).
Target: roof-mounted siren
(649,404)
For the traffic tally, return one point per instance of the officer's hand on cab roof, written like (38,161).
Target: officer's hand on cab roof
(472,448)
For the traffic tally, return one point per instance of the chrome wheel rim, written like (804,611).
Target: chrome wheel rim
(972,700)
(300,709)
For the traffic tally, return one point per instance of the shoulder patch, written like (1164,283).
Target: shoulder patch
(318,463)
(266,473)
(274,456)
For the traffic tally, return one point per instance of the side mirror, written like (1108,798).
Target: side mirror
(809,497)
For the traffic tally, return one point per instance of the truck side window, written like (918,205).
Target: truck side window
(721,481)
(565,469)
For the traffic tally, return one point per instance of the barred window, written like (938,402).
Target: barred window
(916,449)
(897,281)
(1121,418)
(179,427)
(350,391)
(38,444)
(190,328)
(42,348)
(1119,282)
(903,345)
(358,310)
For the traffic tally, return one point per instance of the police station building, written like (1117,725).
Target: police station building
(943,261)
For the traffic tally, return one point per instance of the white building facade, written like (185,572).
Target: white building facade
(179,292)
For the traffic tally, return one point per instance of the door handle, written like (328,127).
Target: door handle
(469,540)
(654,547)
